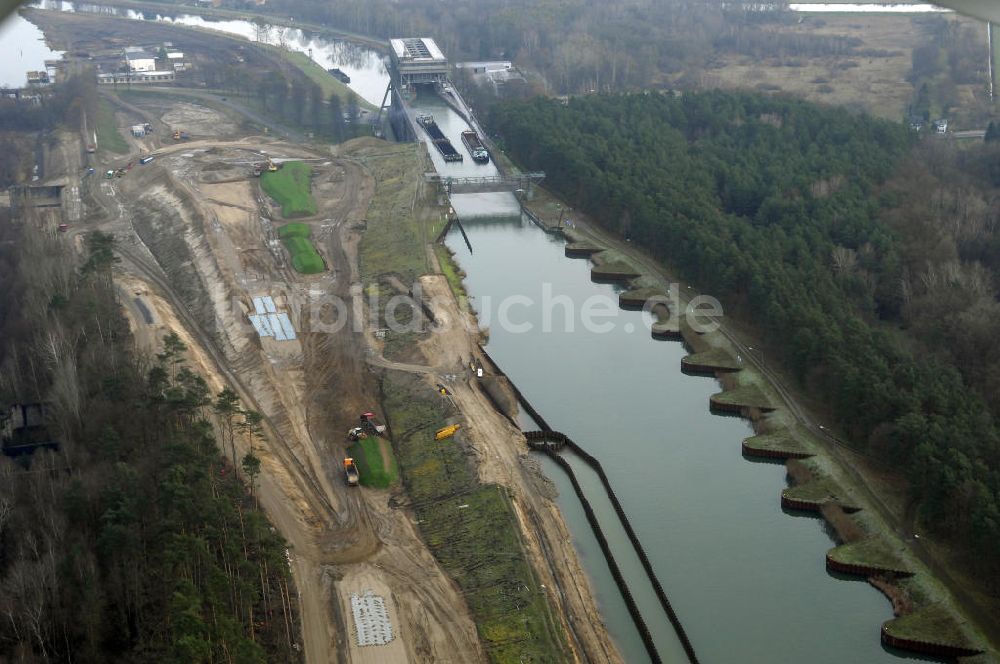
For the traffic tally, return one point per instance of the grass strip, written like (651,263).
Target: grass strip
(453,274)
(108,136)
(290,186)
(470,528)
(373,472)
(305,258)
(394,240)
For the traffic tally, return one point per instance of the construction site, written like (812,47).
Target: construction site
(208,254)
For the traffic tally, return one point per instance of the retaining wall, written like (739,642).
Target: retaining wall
(772,454)
(862,570)
(925,647)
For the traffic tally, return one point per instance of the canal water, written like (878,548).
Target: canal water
(22,49)
(747,580)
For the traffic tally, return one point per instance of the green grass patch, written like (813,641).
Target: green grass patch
(614,269)
(470,528)
(820,490)
(305,258)
(453,274)
(294,229)
(372,469)
(779,441)
(108,136)
(874,552)
(290,186)
(395,239)
(717,358)
(932,623)
(749,396)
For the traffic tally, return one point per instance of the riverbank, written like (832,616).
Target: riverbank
(482,480)
(832,464)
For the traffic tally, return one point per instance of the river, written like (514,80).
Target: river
(22,49)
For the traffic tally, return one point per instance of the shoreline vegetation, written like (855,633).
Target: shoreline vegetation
(469,525)
(818,477)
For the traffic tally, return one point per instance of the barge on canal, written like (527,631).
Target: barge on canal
(475,147)
(439,140)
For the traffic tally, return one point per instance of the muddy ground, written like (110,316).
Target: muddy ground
(198,240)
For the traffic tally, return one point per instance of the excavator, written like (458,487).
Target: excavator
(368,427)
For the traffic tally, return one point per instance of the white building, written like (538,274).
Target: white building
(140,61)
(485,66)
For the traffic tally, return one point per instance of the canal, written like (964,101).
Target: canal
(747,580)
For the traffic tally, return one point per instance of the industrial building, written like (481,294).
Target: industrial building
(139,60)
(418,60)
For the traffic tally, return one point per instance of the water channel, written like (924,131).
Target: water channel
(747,580)
(22,49)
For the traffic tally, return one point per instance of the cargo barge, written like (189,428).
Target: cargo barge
(439,140)
(475,147)
(339,75)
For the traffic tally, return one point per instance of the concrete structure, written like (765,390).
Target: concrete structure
(417,60)
(23,429)
(139,60)
(38,78)
(144,78)
(485,66)
(35,196)
(138,130)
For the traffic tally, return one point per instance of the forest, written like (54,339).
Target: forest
(134,541)
(577,46)
(843,240)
